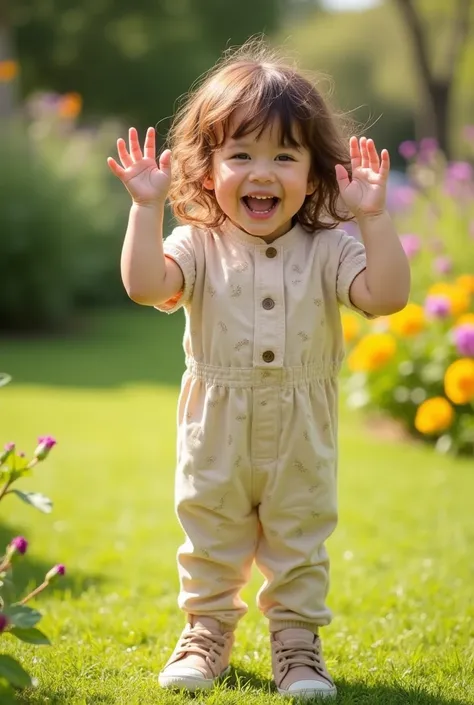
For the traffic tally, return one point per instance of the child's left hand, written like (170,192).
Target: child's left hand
(365,193)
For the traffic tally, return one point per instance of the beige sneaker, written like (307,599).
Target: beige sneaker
(201,656)
(298,665)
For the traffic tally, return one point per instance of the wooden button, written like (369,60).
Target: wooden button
(271,252)
(268,356)
(268,304)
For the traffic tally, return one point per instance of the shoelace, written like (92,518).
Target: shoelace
(299,653)
(204,643)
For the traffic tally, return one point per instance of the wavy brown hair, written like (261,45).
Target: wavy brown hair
(258,80)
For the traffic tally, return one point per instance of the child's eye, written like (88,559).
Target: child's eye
(285,158)
(241,155)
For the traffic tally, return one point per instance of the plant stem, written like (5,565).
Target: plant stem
(35,592)
(4,489)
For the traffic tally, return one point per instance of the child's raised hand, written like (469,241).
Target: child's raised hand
(146,182)
(365,193)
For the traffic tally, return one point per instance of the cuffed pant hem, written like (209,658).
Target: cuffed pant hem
(293,624)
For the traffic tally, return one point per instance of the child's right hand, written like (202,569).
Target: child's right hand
(147,183)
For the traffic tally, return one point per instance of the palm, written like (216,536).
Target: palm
(143,178)
(365,192)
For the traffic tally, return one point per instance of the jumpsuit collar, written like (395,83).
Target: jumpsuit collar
(290,238)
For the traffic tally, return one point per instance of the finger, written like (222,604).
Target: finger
(150,148)
(364,153)
(385,165)
(135,149)
(165,162)
(374,161)
(342,177)
(122,150)
(354,153)
(115,168)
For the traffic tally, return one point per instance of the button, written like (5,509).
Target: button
(268,356)
(271,252)
(268,304)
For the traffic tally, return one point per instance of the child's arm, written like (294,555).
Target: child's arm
(148,276)
(384,286)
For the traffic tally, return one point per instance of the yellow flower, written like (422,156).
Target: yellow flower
(372,352)
(459,381)
(466,282)
(434,415)
(8,70)
(459,298)
(350,327)
(410,321)
(70,105)
(466,318)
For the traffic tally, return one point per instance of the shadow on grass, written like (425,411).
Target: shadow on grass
(29,572)
(30,698)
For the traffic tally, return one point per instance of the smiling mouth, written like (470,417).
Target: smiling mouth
(260,204)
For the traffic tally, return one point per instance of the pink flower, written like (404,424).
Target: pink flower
(18,545)
(443,265)
(58,570)
(429,146)
(8,449)
(464,339)
(459,171)
(411,245)
(407,149)
(44,447)
(4,622)
(399,198)
(437,306)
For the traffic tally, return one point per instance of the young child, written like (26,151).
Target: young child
(260,178)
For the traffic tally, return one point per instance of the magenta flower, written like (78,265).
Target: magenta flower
(411,245)
(407,149)
(4,622)
(464,339)
(18,545)
(58,570)
(443,265)
(459,171)
(437,306)
(44,447)
(429,145)
(8,449)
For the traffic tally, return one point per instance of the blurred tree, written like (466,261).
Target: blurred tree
(437,84)
(129,59)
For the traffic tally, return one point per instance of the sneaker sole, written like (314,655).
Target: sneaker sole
(189,682)
(302,694)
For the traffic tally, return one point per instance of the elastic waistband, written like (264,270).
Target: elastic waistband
(262,376)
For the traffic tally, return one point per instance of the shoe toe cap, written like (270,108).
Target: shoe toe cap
(310,685)
(182,672)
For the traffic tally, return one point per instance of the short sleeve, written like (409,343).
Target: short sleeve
(352,261)
(179,247)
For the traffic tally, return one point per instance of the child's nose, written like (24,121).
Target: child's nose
(262,173)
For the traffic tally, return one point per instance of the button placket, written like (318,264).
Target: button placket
(269,308)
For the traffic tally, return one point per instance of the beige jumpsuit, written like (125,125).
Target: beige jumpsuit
(257,417)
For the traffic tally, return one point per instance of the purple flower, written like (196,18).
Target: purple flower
(437,306)
(443,265)
(4,622)
(44,447)
(399,198)
(18,545)
(411,245)
(459,171)
(429,146)
(464,339)
(8,449)
(407,149)
(59,569)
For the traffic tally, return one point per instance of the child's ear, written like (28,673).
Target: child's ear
(208,183)
(311,187)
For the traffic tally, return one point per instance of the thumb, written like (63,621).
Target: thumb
(342,177)
(165,162)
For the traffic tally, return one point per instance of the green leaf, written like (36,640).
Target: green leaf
(23,616)
(36,499)
(14,672)
(7,694)
(30,636)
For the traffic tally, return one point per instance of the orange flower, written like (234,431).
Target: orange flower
(410,321)
(350,327)
(372,352)
(459,298)
(70,105)
(459,381)
(434,415)
(8,70)
(466,282)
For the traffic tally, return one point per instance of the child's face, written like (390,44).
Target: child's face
(259,184)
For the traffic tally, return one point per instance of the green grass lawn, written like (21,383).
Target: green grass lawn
(402,558)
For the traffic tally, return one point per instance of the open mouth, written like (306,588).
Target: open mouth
(260,205)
